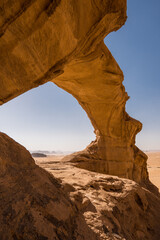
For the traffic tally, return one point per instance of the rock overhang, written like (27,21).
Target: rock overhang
(62,41)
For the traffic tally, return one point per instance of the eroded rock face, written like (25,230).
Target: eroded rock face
(33,203)
(62,41)
(76,205)
(114,208)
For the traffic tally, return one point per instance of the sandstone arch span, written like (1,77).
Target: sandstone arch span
(62,41)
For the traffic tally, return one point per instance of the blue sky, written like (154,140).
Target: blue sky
(48,118)
(136,47)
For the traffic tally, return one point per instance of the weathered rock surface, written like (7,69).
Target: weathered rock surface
(62,41)
(78,205)
(33,204)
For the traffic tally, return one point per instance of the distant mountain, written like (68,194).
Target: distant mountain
(44,152)
(51,152)
(38,154)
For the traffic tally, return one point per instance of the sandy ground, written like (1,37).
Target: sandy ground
(154,167)
(52,163)
(104,200)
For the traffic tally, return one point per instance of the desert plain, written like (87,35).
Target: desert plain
(53,164)
(153,164)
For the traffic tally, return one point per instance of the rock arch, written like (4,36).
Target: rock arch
(62,41)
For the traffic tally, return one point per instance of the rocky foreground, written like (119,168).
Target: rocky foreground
(70,203)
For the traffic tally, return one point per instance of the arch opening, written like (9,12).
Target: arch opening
(47,119)
(72,54)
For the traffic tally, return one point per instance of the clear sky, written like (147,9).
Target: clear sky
(48,118)
(136,47)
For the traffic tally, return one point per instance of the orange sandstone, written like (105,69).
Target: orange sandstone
(62,41)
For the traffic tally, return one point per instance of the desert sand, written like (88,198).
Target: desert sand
(76,181)
(153,164)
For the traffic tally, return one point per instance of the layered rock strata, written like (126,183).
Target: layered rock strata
(96,82)
(62,41)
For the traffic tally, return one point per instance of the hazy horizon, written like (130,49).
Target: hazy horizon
(59,152)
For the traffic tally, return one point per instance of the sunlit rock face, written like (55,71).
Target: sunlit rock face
(62,41)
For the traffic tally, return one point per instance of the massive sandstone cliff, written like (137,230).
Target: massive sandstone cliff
(62,41)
